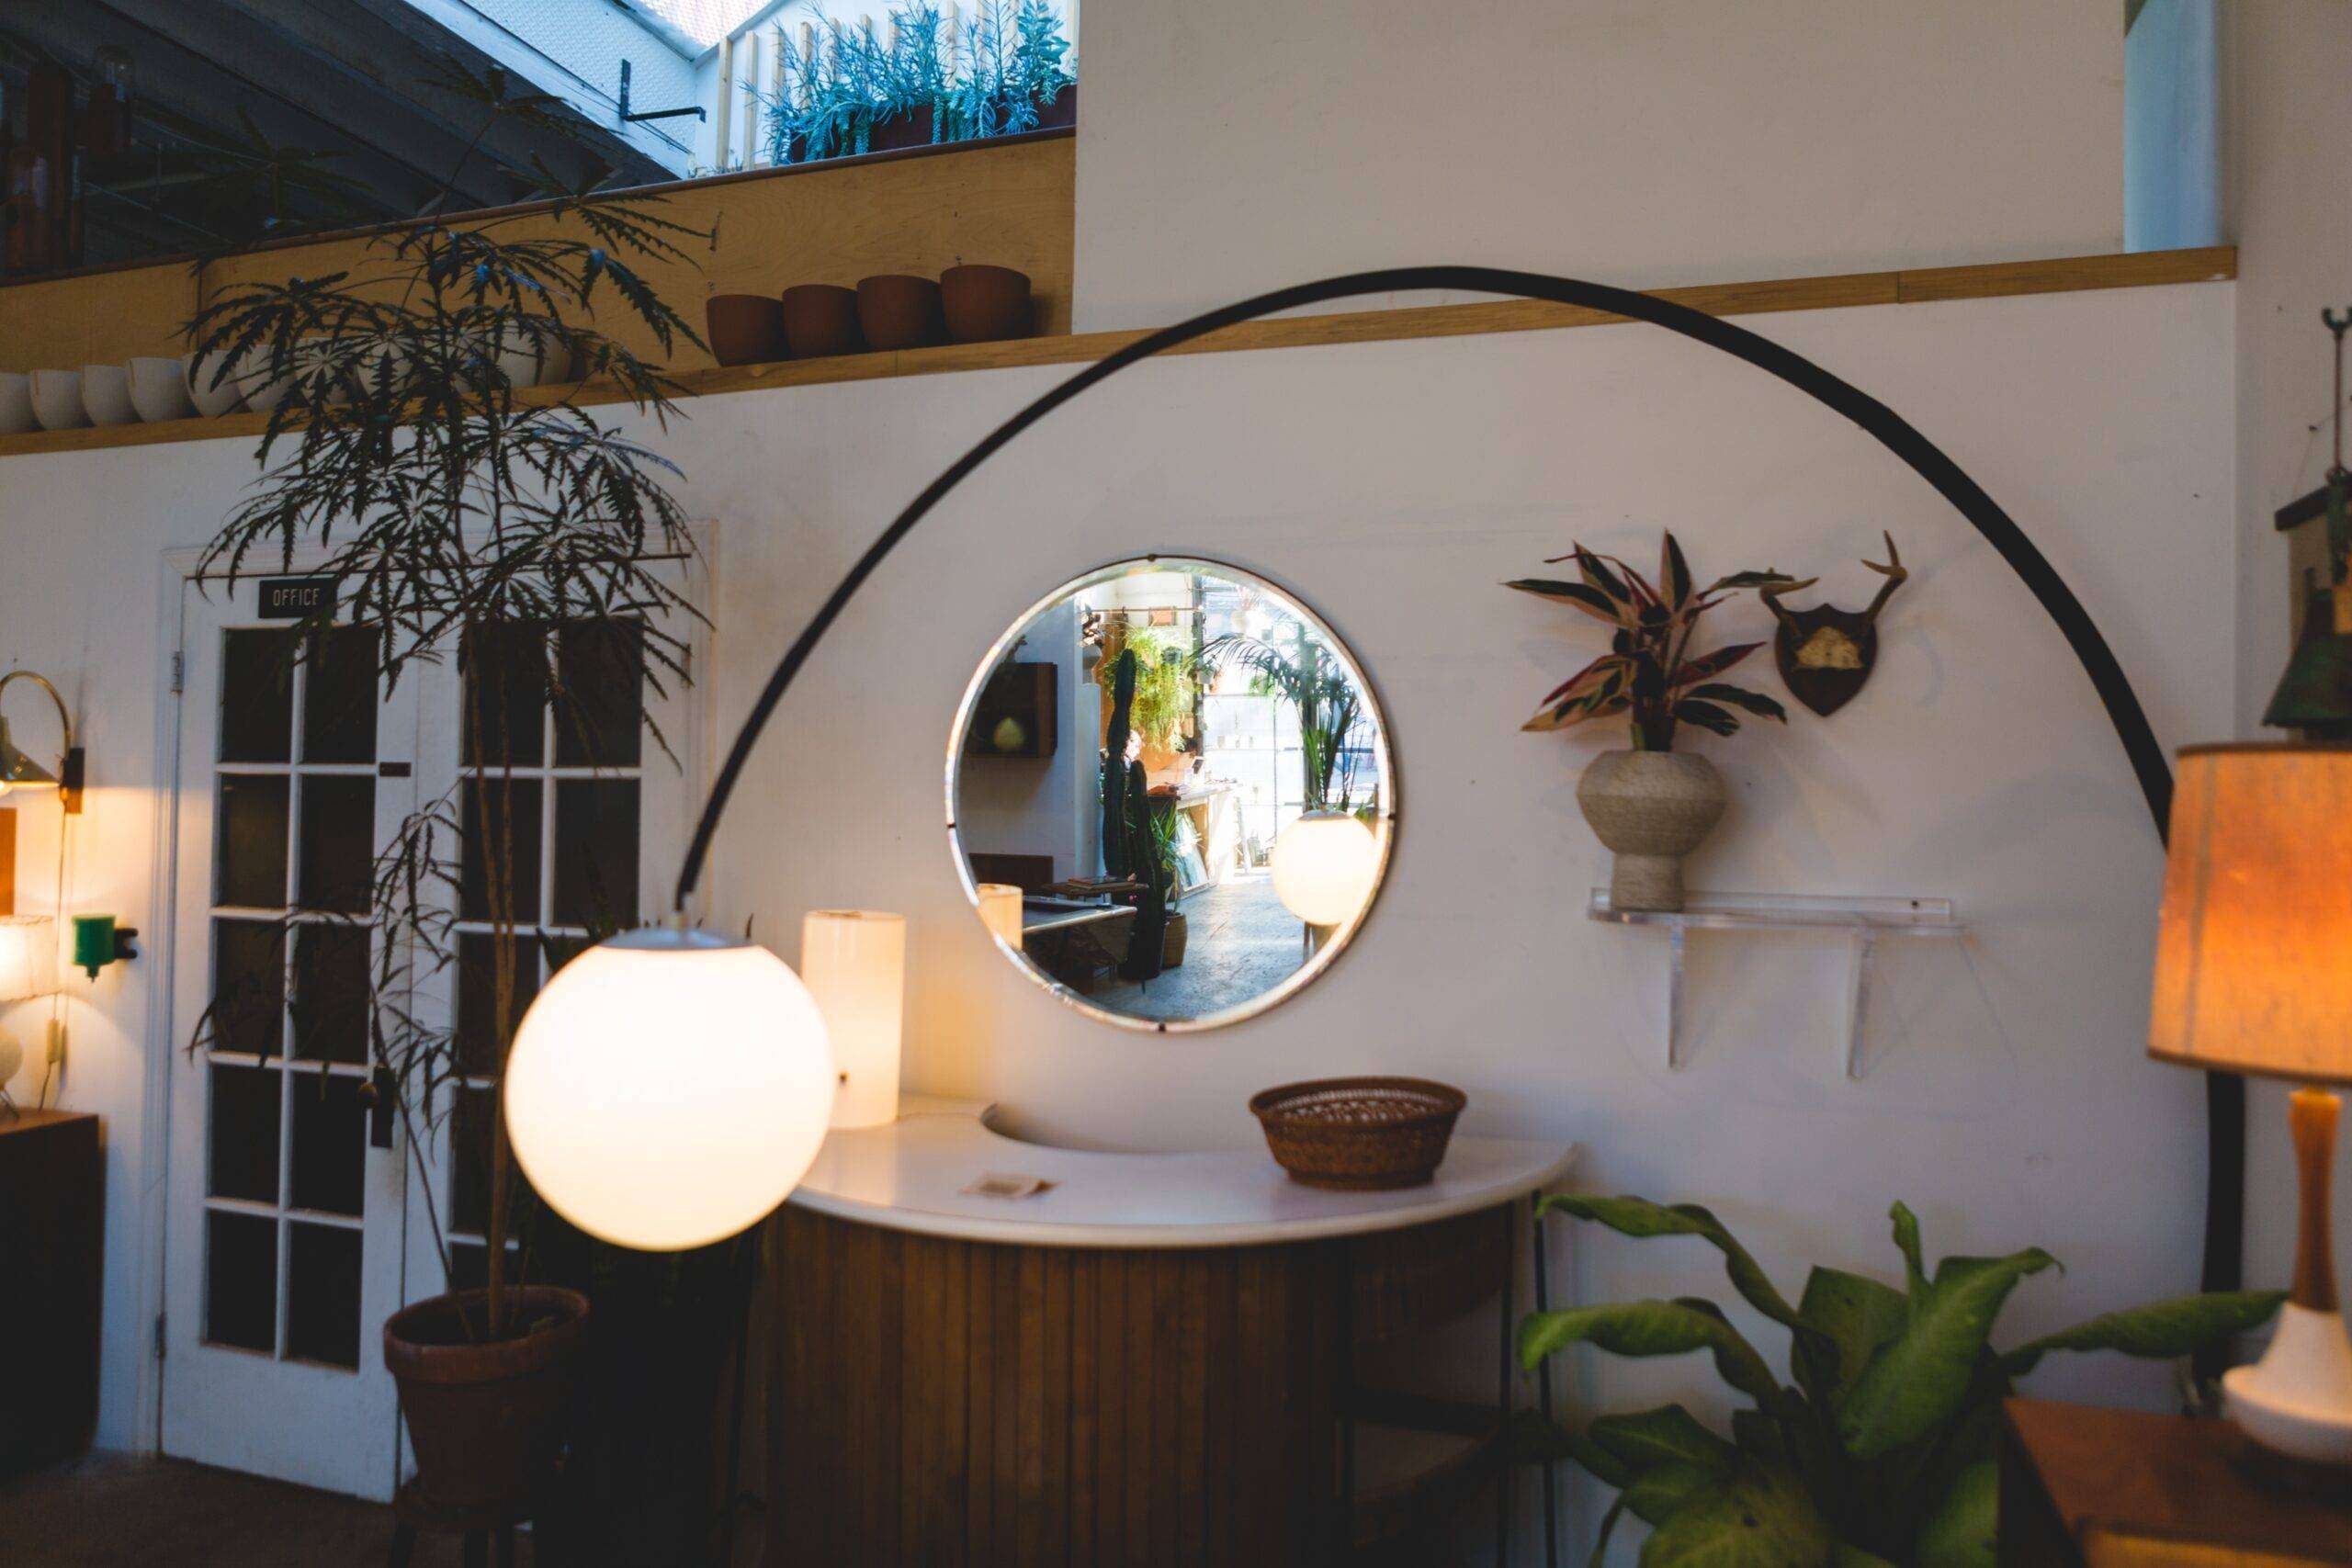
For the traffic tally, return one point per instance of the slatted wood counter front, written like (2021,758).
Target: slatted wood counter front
(978,1383)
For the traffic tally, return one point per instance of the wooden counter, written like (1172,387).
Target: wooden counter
(1153,1361)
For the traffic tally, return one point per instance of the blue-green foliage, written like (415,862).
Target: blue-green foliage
(992,77)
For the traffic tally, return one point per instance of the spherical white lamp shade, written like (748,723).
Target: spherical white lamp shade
(669,1089)
(1325,864)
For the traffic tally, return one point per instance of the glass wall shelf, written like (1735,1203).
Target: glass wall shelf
(1861,921)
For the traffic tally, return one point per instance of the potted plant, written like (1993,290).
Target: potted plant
(1650,805)
(1300,671)
(1880,1449)
(997,71)
(522,538)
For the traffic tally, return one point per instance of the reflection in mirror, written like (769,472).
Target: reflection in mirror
(1171,794)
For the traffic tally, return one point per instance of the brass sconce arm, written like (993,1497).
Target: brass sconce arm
(20,772)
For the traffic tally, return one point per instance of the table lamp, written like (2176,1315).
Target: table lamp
(2254,974)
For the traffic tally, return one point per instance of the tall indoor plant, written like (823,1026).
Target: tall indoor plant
(1880,1449)
(1299,670)
(524,538)
(1651,804)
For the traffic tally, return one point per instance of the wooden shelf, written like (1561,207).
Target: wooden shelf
(2137,270)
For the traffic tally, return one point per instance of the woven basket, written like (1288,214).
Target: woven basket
(1359,1133)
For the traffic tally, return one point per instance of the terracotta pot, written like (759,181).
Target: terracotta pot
(894,311)
(744,329)
(487,1420)
(1652,808)
(820,321)
(984,303)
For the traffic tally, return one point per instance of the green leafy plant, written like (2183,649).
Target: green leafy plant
(1651,672)
(1880,1450)
(1299,670)
(1164,688)
(989,75)
(465,519)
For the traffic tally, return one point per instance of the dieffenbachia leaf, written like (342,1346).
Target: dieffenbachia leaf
(1763,1517)
(1640,1218)
(1921,1378)
(2160,1329)
(1853,1316)
(1963,1530)
(1652,1328)
(1668,1435)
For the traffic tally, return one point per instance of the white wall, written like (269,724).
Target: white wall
(1228,147)
(2291,121)
(1392,487)
(1045,805)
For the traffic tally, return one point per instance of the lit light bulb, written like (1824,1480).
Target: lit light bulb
(669,1089)
(1323,864)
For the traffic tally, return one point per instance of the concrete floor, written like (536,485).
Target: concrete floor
(1241,944)
(109,1511)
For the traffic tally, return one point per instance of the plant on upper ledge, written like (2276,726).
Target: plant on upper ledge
(1882,1450)
(935,75)
(1651,804)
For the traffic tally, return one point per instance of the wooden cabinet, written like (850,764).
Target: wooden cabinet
(951,1402)
(50,1213)
(2088,1488)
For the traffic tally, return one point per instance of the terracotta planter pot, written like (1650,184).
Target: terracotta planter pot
(982,304)
(744,329)
(894,311)
(820,321)
(1651,809)
(487,1420)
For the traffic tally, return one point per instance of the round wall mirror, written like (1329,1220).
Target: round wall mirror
(1170,794)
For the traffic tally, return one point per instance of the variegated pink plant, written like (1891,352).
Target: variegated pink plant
(1650,671)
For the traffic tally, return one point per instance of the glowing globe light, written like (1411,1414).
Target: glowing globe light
(1325,864)
(669,1089)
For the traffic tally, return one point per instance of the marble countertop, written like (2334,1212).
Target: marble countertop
(909,1176)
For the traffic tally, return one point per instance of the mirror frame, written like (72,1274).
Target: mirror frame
(1383,752)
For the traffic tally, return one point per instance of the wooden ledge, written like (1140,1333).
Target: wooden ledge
(2137,270)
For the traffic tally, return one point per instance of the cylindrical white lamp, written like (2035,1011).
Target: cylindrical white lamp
(669,1087)
(1323,865)
(27,957)
(1001,912)
(854,963)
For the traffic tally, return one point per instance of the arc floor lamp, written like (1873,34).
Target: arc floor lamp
(768,1059)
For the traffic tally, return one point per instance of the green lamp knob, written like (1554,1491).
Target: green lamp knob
(98,941)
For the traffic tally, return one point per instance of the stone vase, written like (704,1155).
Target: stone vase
(1651,809)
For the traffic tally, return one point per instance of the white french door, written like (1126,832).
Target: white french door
(303,1210)
(286,1231)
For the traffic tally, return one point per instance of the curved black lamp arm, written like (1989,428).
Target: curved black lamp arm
(2225,1094)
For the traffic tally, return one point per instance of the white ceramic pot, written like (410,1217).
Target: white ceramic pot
(57,399)
(261,391)
(106,394)
(520,361)
(159,390)
(212,393)
(1651,809)
(16,403)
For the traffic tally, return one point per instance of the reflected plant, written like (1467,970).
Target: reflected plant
(1313,681)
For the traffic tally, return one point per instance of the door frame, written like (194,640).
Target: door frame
(178,568)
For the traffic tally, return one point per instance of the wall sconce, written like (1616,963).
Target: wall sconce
(20,772)
(98,941)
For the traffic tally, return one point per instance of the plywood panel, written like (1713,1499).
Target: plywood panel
(918,211)
(2141,269)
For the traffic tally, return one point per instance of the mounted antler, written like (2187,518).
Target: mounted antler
(1894,571)
(1825,653)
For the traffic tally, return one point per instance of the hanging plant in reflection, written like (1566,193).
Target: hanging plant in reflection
(1300,671)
